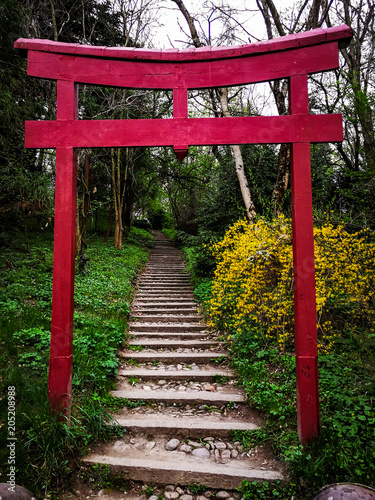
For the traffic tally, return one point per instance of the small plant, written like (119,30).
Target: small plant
(99,476)
(132,362)
(133,404)
(135,347)
(197,489)
(133,380)
(250,439)
(149,490)
(220,379)
(220,360)
(231,405)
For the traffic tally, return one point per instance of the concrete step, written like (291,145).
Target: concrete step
(165,270)
(159,466)
(174,261)
(164,288)
(171,277)
(192,426)
(175,396)
(166,306)
(165,336)
(174,357)
(160,295)
(161,309)
(165,267)
(167,318)
(164,295)
(155,302)
(202,375)
(164,291)
(164,283)
(171,257)
(145,310)
(183,471)
(157,272)
(174,344)
(165,276)
(167,327)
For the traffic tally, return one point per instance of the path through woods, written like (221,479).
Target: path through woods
(182,435)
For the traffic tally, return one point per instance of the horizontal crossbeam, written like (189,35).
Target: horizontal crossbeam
(190,131)
(190,75)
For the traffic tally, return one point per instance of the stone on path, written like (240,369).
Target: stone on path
(172,444)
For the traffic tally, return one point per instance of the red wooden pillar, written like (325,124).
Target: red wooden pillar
(61,352)
(180,110)
(308,420)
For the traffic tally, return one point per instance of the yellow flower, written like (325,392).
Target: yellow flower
(253,280)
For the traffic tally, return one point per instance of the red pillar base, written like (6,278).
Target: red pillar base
(60,384)
(308,419)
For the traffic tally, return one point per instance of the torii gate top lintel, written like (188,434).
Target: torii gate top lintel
(342,34)
(293,57)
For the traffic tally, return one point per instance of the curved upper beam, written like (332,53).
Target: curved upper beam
(314,37)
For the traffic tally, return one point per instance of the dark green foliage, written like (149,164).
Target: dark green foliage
(202,289)
(267,491)
(345,450)
(99,477)
(199,260)
(197,489)
(261,167)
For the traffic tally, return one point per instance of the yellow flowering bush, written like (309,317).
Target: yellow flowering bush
(253,281)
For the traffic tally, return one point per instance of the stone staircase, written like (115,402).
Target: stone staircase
(181,432)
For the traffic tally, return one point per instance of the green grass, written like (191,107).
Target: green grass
(48,448)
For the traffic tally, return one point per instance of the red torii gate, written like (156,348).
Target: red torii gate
(292,57)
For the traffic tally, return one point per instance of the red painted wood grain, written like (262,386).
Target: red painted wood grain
(61,348)
(192,131)
(313,37)
(190,75)
(306,350)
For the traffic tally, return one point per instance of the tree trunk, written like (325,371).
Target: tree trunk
(109,224)
(240,169)
(279,88)
(223,93)
(85,204)
(78,231)
(282,179)
(26,234)
(116,182)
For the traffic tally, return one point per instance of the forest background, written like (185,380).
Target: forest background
(208,204)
